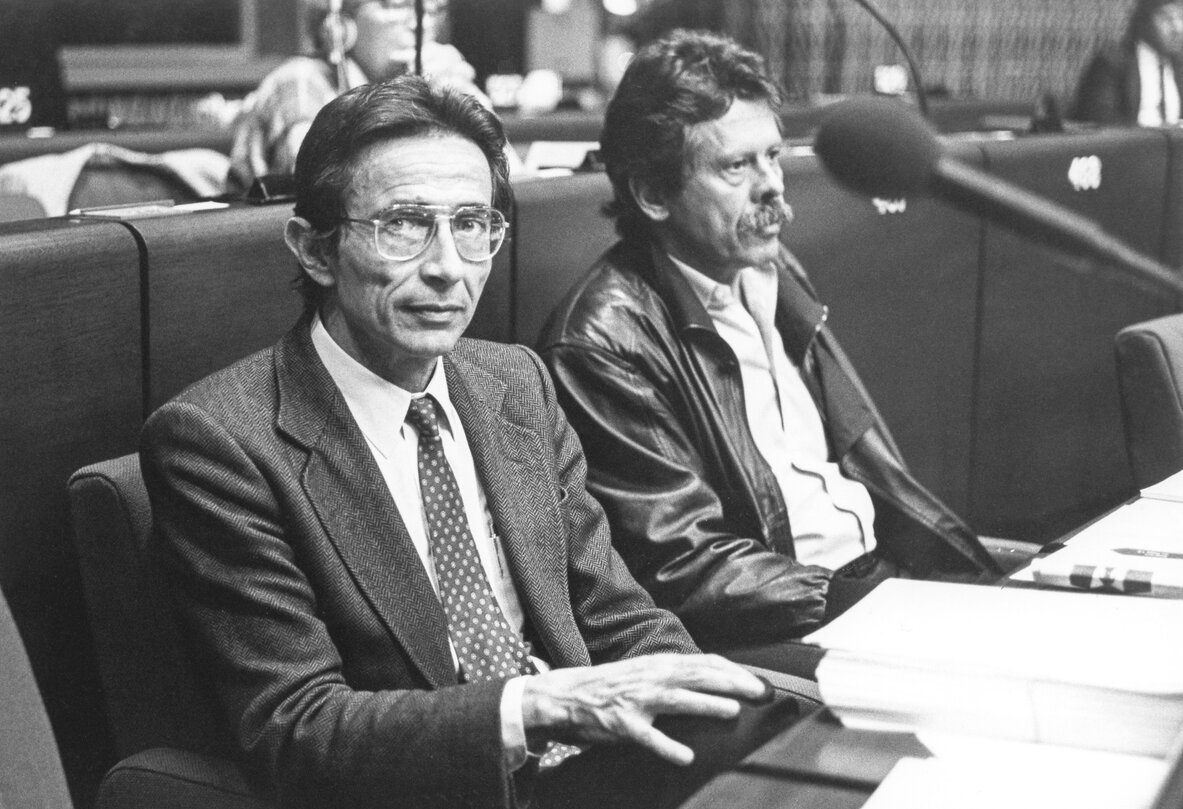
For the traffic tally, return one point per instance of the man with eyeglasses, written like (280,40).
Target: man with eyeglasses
(750,484)
(378,532)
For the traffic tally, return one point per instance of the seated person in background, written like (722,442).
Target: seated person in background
(749,481)
(337,514)
(376,40)
(1136,81)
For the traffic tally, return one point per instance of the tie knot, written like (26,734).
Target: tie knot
(422,416)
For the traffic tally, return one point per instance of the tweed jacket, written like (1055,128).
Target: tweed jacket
(309,607)
(655,393)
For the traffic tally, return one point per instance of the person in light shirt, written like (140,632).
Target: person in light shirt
(751,486)
(370,41)
(1136,82)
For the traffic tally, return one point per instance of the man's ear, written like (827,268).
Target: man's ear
(651,202)
(310,249)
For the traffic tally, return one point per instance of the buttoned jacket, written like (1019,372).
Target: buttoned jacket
(309,607)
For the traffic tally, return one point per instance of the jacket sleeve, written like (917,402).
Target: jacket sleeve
(220,522)
(673,527)
(616,617)
(1101,92)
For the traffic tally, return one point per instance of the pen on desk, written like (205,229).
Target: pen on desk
(1146,552)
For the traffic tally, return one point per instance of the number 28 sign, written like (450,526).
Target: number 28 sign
(15,106)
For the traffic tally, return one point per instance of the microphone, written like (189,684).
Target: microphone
(880,148)
(335,32)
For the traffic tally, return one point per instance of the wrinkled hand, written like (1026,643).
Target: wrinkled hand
(617,702)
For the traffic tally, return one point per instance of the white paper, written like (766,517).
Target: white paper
(1021,778)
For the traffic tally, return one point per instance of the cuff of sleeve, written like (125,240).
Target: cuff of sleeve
(513,726)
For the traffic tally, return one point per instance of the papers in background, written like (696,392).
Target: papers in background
(1070,668)
(1136,549)
(555,157)
(1169,489)
(141,210)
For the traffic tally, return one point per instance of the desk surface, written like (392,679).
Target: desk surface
(818,764)
(815,763)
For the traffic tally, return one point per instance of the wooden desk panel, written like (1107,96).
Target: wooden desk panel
(218,288)
(558,233)
(901,281)
(70,325)
(741,790)
(1049,450)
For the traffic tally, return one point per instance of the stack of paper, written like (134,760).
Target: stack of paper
(1136,549)
(1169,489)
(1075,669)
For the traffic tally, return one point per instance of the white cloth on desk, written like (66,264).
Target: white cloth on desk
(50,178)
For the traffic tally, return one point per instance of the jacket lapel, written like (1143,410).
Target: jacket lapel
(350,498)
(510,464)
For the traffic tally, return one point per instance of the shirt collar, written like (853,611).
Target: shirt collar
(379,407)
(713,295)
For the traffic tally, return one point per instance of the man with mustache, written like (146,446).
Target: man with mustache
(750,484)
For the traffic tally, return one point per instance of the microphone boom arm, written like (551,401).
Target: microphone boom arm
(1037,217)
(921,96)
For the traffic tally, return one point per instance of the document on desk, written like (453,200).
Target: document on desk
(1136,549)
(1168,489)
(1067,668)
(1020,776)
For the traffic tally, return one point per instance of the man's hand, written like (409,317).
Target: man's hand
(617,702)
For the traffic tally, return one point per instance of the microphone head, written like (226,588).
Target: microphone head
(878,147)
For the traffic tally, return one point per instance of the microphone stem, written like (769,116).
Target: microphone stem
(1031,215)
(419,13)
(917,82)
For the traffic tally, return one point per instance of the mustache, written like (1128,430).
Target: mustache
(766,214)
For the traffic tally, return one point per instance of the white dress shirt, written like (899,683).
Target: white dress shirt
(832,517)
(380,410)
(1159,104)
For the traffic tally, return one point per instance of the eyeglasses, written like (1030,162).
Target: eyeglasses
(403,232)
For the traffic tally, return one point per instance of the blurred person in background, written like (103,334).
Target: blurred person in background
(1135,82)
(370,40)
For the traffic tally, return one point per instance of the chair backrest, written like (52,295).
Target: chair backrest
(1150,377)
(30,767)
(15,207)
(154,697)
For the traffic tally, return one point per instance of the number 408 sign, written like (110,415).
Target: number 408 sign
(15,106)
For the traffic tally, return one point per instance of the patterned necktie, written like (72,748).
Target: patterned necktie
(486,646)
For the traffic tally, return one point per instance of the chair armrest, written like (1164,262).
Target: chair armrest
(1010,554)
(177,779)
(805,691)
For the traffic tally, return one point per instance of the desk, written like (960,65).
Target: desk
(1136,548)
(815,763)
(818,764)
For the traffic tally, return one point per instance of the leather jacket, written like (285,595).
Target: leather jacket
(655,394)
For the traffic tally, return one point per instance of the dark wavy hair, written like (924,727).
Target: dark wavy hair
(403,107)
(670,85)
(1140,26)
